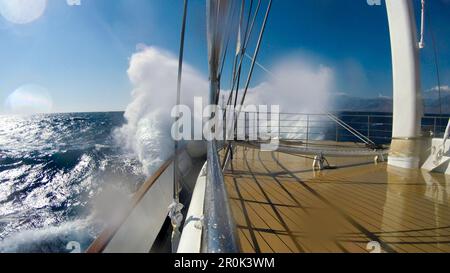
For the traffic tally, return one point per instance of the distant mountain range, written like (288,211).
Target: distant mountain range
(384,104)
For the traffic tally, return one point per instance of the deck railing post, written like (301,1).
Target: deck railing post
(337,132)
(257,125)
(279,126)
(434,128)
(307,129)
(247,126)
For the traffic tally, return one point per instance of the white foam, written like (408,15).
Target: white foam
(27,240)
(299,84)
(153,73)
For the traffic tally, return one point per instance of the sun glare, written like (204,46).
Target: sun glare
(29,99)
(22,11)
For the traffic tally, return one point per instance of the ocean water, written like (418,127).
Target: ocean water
(52,168)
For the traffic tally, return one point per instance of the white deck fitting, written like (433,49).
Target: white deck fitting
(439,159)
(191,237)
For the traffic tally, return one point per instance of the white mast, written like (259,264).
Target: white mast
(406,143)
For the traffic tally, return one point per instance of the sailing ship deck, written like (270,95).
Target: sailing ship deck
(280,205)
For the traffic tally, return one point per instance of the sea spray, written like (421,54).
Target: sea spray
(299,84)
(153,74)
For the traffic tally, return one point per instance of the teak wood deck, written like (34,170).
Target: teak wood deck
(281,205)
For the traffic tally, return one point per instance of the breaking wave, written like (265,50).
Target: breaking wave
(153,73)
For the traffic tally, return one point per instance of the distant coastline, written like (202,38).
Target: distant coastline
(431,103)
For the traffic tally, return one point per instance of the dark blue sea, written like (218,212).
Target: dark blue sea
(52,167)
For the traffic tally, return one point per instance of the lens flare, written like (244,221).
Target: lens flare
(22,11)
(29,99)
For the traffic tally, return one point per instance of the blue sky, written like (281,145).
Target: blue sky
(80,54)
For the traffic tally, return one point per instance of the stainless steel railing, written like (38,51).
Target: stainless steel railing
(434,125)
(219,230)
(311,127)
(376,128)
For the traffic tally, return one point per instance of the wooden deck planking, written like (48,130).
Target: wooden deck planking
(281,205)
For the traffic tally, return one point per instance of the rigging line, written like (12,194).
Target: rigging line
(174,213)
(260,66)
(228,38)
(233,72)
(255,55)
(230,24)
(243,49)
(238,70)
(436,61)
(246,42)
(247,38)
(240,47)
(240,51)
(224,58)
(252,67)
(248,21)
(241,56)
(222,37)
(178,102)
(233,76)
(230,19)
(230,97)
(350,129)
(238,83)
